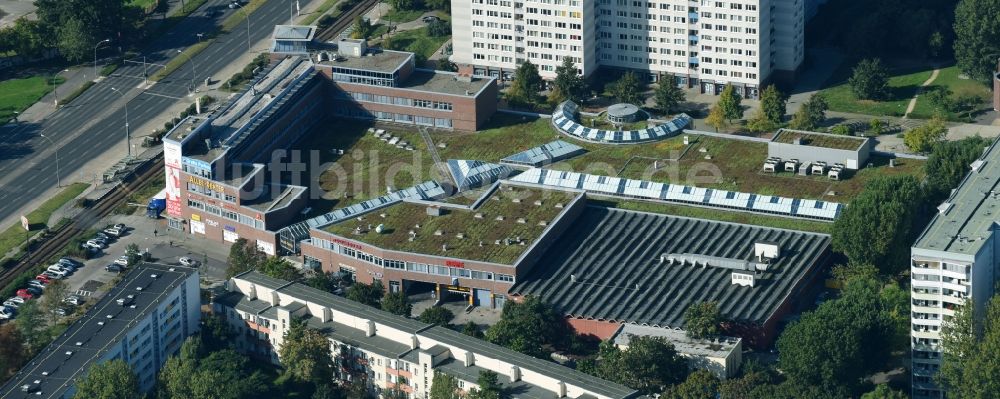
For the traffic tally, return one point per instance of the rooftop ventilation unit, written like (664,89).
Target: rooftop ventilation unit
(765,251)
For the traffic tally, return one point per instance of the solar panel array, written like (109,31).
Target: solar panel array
(545,154)
(564,120)
(642,189)
(471,174)
(291,235)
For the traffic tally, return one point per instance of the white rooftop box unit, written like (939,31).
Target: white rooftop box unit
(741,278)
(766,250)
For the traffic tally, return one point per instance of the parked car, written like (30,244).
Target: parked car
(59,311)
(34,291)
(95,243)
(68,262)
(11,304)
(54,276)
(430,18)
(37,284)
(122,260)
(25,294)
(43,278)
(104,236)
(101,240)
(16,299)
(66,267)
(120,226)
(186,261)
(5,314)
(58,271)
(113,232)
(114,268)
(73,300)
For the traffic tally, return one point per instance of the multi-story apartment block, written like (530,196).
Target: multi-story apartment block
(704,44)
(387,351)
(954,262)
(143,321)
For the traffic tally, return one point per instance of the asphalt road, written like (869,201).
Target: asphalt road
(95,122)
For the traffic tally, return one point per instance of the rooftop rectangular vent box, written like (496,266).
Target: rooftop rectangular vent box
(766,250)
(944,208)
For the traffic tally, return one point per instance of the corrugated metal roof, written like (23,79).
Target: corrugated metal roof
(607,266)
(470,174)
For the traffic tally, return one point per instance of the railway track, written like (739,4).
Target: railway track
(85,220)
(345,20)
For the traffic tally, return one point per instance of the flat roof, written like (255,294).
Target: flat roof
(294,32)
(443,82)
(606,266)
(521,219)
(95,332)
(816,139)
(720,348)
(970,212)
(274,196)
(386,61)
(566,374)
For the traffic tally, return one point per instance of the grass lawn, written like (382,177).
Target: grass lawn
(16,95)
(417,41)
(948,77)
(14,235)
(516,205)
(403,16)
(143,4)
(902,87)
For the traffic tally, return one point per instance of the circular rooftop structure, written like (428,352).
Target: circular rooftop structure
(623,113)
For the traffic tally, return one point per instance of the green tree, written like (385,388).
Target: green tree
(569,83)
(444,386)
(397,303)
(842,130)
(851,271)
(701,384)
(527,326)
(31,321)
(773,104)
(730,103)
(12,350)
(243,257)
(526,85)
(439,28)
(489,386)
(949,162)
(55,292)
(24,37)
(649,364)
(324,281)
(75,40)
(969,366)
(870,80)
(935,44)
(811,114)
(879,225)
(306,354)
(841,341)
(445,64)
(133,253)
(667,95)
(113,379)
(443,5)
(977,38)
(701,320)
(368,294)
(759,123)
(215,333)
(403,5)
(279,268)
(717,118)
(923,138)
(471,329)
(363,28)
(628,89)
(436,315)
(883,391)
(198,373)
(876,126)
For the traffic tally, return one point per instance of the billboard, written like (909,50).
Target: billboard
(172,168)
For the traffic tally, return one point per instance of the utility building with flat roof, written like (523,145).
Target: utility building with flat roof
(954,262)
(143,320)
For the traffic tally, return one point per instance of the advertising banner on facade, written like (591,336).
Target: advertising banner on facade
(172,168)
(230,236)
(197,227)
(265,247)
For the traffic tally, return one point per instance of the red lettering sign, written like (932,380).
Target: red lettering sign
(346,243)
(454,263)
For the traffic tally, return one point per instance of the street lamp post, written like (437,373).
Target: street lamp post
(95,54)
(128,135)
(58,180)
(191,61)
(249,48)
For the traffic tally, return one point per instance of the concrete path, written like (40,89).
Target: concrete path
(913,101)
